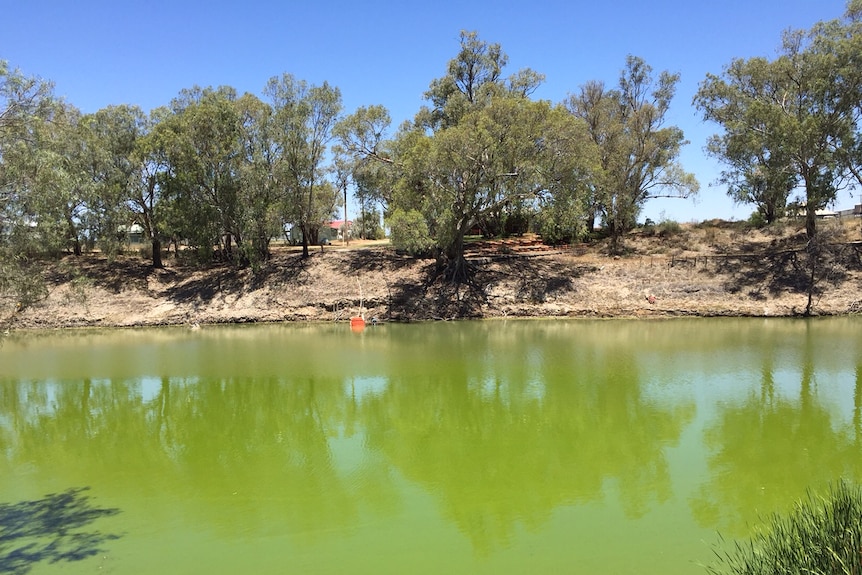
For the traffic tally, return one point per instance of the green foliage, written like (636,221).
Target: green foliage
(20,279)
(202,143)
(482,154)
(792,120)
(665,228)
(638,153)
(561,221)
(408,232)
(305,118)
(516,221)
(757,219)
(26,104)
(823,534)
(473,79)
(367,225)
(224,173)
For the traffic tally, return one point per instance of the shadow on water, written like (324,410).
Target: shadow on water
(51,529)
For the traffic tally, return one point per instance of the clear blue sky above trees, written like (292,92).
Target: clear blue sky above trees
(101,52)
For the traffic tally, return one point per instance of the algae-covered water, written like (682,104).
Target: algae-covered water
(472,447)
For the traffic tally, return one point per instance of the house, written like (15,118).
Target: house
(855,211)
(327,233)
(337,226)
(133,234)
(819,214)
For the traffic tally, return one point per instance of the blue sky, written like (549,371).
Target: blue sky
(100,52)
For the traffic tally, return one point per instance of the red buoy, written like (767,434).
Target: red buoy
(357,323)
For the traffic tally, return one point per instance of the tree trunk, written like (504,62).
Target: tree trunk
(591,221)
(157,254)
(456,269)
(814,254)
(770,212)
(304,240)
(73,235)
(228,246)
(616,232)
(810,222)
(811,284)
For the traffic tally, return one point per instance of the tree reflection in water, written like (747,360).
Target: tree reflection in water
(509,435)
(770,448)
(505,440)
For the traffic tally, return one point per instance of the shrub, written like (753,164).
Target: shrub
(667,228)
(368,225)
(757,220)
(821,535)
(408,231)
(516,223)
(664,229)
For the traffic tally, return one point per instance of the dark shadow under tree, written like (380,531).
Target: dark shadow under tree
(56,528)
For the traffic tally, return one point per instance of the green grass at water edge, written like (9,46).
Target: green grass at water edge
(821,536)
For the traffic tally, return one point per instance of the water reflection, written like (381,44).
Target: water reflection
(506,453)
(780,439)
(321,436)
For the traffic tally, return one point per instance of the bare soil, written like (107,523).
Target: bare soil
(712,269)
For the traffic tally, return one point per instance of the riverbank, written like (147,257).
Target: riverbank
(717,269)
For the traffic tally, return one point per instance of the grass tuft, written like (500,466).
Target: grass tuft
(822,536)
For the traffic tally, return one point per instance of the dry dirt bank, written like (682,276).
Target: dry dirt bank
(722,270)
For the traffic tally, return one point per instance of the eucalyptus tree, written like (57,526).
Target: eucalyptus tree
(304,120)
(60,185)
(481,146)
(757,173)
(791,121)
(474,78)
(214,162)
(839,42)
(25,102)
(564,209)
(599,108)
(202,141)
(147,201)
(366,191)
(361,159)
(364,147)
(638,152)
(498,155)
(68,176)
(342,170)
(259,191)
(152,139)
(112,141)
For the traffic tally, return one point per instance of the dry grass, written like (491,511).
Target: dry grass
(717,268)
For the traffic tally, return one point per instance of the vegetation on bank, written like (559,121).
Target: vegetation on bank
(224,174)
(669,270)
(821,536)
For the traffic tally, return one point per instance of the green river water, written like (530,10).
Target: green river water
(473,447)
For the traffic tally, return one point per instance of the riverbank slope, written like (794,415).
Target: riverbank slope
(711,269)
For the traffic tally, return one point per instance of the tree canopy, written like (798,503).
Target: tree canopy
(483,153)
(638,153)
(790,122)
(225,173)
